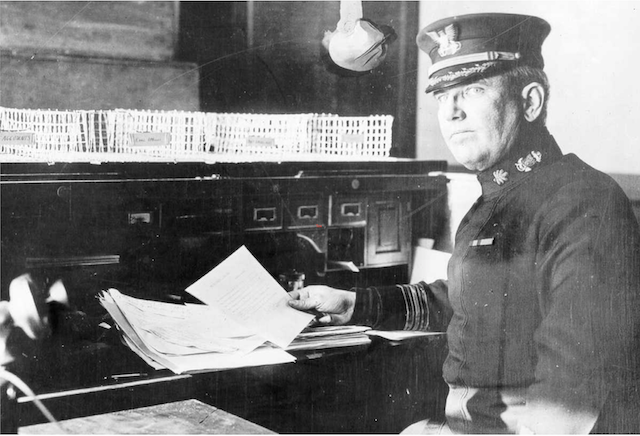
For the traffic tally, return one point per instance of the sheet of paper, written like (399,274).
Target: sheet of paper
(210,318)
(190,363)
(177,329)
(136,344)
(246,292)
(206,362)
(334,330)
(320,343)
(152,363)
(429,265)
(218,361)
(220,345)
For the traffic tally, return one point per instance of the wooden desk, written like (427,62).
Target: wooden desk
(380,388)
(150,230)
(181,417)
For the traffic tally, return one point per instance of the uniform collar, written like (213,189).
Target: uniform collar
(533,150)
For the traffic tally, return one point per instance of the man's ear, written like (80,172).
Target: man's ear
(533,101)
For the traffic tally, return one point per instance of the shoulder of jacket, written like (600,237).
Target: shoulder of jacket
(571,169)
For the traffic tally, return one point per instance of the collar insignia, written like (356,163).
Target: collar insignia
(446,40)
(525,164)
(500,176)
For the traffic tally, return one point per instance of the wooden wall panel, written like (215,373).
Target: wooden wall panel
(63,82)
(124,29)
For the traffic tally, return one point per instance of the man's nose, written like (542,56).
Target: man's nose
(452,110)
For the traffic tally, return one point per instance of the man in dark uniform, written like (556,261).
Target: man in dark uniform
(541,306)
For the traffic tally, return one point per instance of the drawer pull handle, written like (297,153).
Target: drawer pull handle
(351,209)
(264,214)
(308,212)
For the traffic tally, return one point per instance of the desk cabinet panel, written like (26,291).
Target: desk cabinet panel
(162,226)
(388,230)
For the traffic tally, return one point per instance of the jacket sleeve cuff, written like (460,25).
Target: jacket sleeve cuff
(381,308)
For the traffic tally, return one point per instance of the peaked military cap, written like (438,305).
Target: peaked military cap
(464,47)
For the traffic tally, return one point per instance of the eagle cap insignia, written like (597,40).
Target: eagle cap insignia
(446,40)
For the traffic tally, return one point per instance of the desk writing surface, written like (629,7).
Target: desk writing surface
(181,417)
(344,390)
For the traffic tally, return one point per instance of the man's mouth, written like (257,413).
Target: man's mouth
(459,132)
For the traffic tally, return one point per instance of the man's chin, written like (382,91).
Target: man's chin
(474,166)
(471,165)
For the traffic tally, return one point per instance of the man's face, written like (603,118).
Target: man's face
(479,121)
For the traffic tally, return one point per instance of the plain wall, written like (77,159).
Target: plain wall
(592,59)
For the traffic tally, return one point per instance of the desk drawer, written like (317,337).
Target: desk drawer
(306,212)
(262,212)
(348,210)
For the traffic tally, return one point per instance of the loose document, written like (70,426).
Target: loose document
(245,321)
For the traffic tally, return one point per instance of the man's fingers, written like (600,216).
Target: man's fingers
(325,318)
(295,295)
(303,304)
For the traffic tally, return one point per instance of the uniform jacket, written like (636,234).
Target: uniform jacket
(541,306)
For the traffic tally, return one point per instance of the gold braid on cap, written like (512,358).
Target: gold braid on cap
(474,57)
(464,72)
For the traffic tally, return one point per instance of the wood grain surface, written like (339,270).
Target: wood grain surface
(133,30)
(182,417)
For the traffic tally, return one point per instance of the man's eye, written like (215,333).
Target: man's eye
(473,90)
(440,97)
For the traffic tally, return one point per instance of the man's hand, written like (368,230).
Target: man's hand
(334,305)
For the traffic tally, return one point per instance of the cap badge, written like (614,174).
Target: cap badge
(525,164)
(446,40)
(500,176)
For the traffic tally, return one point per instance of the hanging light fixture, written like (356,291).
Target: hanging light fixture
(357,44)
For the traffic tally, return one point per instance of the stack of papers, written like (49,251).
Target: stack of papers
(401,335)
(245,321)
(317,338)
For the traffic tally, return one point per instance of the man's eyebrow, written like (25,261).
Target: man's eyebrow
(480,81)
